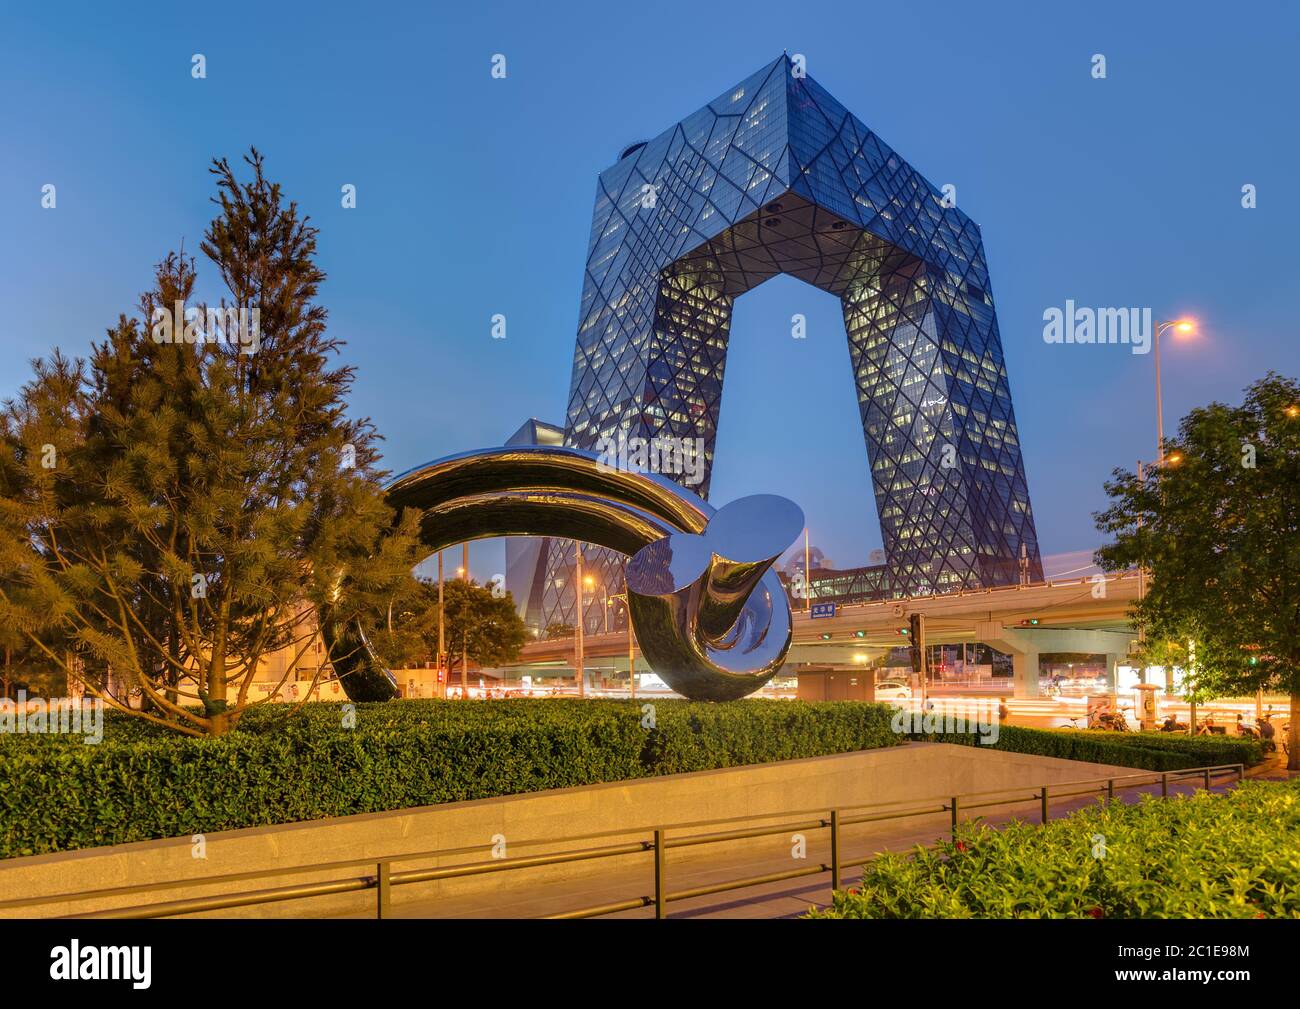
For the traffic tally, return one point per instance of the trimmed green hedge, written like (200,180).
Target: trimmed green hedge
(1151,751)
(1208,855)
(143,782)
(1205,749)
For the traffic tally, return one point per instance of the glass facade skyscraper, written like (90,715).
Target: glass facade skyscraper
(776,176)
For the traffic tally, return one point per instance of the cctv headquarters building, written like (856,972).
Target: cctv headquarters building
(776,176)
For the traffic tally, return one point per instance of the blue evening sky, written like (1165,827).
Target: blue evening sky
(474,197)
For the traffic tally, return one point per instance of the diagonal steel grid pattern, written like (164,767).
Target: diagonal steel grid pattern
(775,176)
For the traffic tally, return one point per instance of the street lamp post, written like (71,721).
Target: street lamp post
(1142,571)
(1185,326)
(807,573)
(442,635)
(578,657)
(631,646)
(588,583)
(464,644)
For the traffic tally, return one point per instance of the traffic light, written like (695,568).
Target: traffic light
(1029,622)
(915,633)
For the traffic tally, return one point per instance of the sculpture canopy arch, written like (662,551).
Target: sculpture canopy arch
(710,615)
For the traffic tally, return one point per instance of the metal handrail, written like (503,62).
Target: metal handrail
(686,841)
(384,879)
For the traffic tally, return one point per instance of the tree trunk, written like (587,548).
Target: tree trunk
(1293,736)
(220,721)
(169,678)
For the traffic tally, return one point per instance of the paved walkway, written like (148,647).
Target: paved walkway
(689,868)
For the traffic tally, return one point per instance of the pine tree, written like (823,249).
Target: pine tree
(208,489)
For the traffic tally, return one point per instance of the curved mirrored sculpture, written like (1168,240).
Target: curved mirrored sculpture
(708,611)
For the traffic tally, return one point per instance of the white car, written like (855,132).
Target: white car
(893,690)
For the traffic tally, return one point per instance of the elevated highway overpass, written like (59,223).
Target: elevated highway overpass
(1088,615)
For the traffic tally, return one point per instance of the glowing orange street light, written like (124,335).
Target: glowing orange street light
(1174,459)
(1293,411)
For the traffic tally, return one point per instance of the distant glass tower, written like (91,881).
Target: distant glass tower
(776,176)
(524,566)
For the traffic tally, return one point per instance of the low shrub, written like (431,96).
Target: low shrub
(1206,750)
(1207,855)
(1151,751)
(145,782)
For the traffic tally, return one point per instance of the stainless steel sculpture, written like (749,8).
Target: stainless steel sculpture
(710,615)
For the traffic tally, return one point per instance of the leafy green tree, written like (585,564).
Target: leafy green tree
(173,507)
(485,627)
(1218,527)
(399,635)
